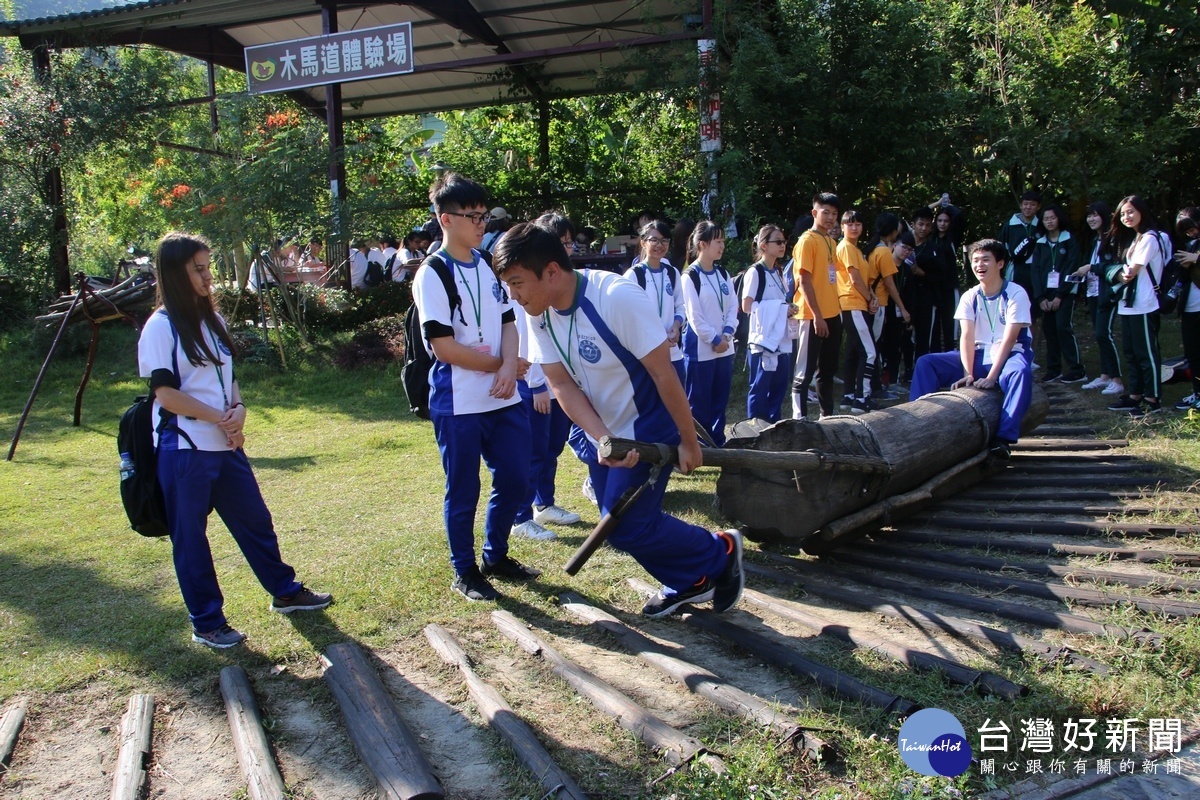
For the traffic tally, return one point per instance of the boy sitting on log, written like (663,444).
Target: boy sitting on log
(995,348)
(598,338)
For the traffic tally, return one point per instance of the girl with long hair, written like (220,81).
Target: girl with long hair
(186,352)
(765,299)
(1135,241)
(1101,300)
(711,306)
(1055,260)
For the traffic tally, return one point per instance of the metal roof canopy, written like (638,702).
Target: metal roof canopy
(467,53)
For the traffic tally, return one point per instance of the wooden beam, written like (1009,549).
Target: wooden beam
(383,741)
(10,729)
(699,680)
(130,780)
(500,715)
(676,747)
(263,781)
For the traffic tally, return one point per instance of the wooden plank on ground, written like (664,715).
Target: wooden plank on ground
(263,781)
(383,741)
(10,729)
(500,715)
(130,780)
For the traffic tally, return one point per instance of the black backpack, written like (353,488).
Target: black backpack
(418,362)
(1167,301)
(141,494)
(378,273)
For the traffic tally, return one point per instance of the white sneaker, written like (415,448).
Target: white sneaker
(1114,387)
(589,491)
(553,515)
(1099,383)
(531,530)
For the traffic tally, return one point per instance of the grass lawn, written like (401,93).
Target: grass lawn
(355,486)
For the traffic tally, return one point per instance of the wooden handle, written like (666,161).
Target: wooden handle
(806,461)
(603,528)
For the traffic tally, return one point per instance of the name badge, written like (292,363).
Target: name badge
(832,273)
(481,348)
(1052,280)
(1093,285)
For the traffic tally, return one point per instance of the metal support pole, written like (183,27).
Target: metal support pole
(337,245)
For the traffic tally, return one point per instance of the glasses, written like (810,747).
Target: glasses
(775,241)
(476,218)
(654,241)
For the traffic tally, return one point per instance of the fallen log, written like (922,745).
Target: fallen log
(10,729)
(924,442)
(498,713)
(384,743)
(699,680)
(263,781)
(137,728)
(1013,545)
(676,747)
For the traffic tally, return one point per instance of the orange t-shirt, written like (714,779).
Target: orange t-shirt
(884,264)
(848,295)
(816,254)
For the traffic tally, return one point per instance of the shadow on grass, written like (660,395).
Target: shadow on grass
(285,464)
(74,607)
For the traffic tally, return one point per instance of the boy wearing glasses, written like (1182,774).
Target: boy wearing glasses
(473,402)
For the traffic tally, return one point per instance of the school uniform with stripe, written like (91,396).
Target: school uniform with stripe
(600,343)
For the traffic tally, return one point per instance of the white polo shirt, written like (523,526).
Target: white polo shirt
(477,324)
(158,348)
(600,342)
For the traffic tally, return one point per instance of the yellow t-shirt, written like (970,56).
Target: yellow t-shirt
(816,254)
(848,296)
(884,264)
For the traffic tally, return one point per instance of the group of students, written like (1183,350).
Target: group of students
(531,354)
(1118,270)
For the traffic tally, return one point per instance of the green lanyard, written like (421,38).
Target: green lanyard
(828,245)
(475,296)
(566,354)
(716,287)
(987,309)
(660,288)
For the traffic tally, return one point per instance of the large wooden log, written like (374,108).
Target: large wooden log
(384,743)
(919,440)
(10,729)
(263,781)
(500,715)
(137,728)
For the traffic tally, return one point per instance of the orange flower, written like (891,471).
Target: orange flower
(208,209)
(181,191)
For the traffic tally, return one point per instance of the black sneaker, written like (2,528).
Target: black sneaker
(509,567)
(473,586)
(1001,451)
(1053,377)
(1145,409)
(663,604)
(863,406)
(1080,378)
(727,589)
(303,600)
(222,638)
(1126,404)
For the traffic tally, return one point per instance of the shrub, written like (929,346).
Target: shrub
(379,341)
